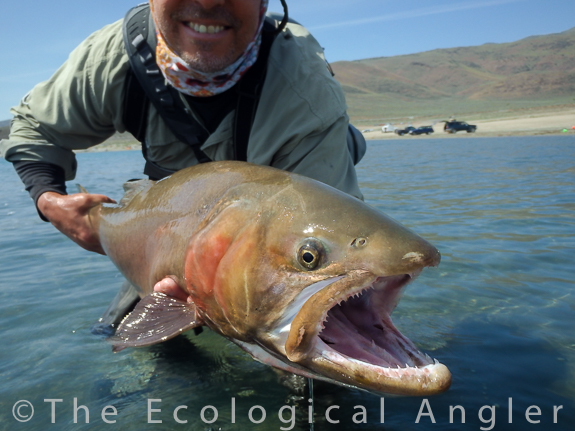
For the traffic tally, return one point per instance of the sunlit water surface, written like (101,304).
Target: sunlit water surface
(499,311)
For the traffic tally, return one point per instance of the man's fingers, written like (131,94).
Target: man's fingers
(84,202)
(103,199)
(90,201)
(170,287)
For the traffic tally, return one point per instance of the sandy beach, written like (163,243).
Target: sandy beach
(550,121)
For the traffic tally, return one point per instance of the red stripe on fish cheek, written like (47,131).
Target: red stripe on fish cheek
(230,283)
(202,261)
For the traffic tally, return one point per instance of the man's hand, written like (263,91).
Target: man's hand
(70,215)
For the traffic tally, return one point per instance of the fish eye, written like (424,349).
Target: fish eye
(310,254)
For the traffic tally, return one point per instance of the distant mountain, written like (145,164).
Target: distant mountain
(535,70)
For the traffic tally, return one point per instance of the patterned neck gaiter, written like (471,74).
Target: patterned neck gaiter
(200,84)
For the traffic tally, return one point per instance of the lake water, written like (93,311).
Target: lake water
(499,311)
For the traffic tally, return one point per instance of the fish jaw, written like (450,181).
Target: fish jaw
(343,333)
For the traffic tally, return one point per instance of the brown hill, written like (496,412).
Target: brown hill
(536,71)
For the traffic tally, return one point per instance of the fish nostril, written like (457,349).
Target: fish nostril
(358,242)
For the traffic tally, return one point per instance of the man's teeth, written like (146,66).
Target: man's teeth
(210,29)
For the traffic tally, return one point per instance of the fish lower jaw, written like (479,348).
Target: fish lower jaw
(428,379)
(334,356)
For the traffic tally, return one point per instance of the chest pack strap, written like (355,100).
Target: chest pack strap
(145,83)
(249,90)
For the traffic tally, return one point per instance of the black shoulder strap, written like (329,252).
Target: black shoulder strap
(249,89)
(136,103)
(139,37)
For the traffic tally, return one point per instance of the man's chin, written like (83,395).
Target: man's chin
(207,61)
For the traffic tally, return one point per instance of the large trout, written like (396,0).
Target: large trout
(300,275)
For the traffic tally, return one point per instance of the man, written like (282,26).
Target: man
(204,48)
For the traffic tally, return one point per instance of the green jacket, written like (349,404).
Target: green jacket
(300,125)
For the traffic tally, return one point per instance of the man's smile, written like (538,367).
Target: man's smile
(203,29)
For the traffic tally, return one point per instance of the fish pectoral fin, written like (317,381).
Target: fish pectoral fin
(156,318)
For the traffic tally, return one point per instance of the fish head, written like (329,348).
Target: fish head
(305,278)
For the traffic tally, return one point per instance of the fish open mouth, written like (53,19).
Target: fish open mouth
(361,329)
(346,334)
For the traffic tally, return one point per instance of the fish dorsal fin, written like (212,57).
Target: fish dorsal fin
(155,319)
(133,188)
(81,189)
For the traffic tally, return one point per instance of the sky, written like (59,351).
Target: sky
(39,35)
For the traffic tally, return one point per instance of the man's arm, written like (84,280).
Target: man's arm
(68,213)
(78,107)
(41,177)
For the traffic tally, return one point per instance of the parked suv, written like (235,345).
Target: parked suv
(454,126)
(405,131)
(422,130)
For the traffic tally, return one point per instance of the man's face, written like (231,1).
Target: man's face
(209,35)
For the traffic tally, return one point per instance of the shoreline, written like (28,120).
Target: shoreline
(544,122)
